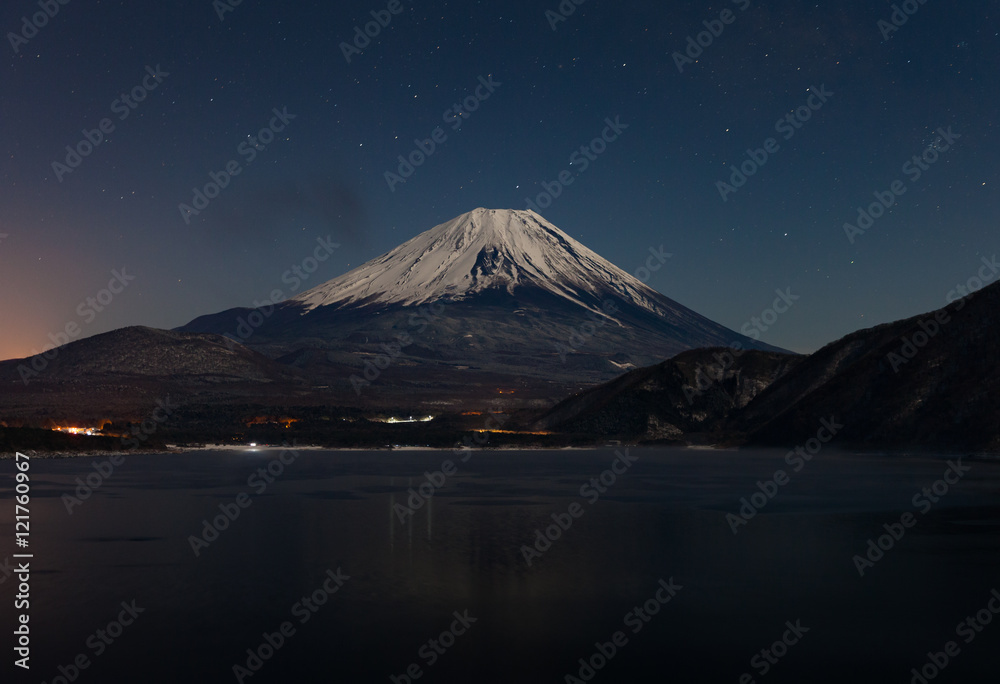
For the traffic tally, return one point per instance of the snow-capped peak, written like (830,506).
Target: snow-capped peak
(484,249)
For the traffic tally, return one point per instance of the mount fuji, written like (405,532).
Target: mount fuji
(491,304)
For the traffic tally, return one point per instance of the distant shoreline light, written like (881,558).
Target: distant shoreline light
(89,431)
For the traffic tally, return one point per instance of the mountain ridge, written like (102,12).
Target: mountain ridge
(524,310)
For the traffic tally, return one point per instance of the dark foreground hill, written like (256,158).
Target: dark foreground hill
(124,373)
(688,397)
(931,381)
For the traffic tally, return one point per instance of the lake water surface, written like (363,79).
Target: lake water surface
(662,523)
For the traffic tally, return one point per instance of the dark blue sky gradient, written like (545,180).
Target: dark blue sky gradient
(655,185)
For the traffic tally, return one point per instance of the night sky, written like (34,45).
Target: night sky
(208,85)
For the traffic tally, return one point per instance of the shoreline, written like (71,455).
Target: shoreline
(173,449)
(223,448)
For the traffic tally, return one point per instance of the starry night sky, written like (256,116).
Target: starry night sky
(62,233)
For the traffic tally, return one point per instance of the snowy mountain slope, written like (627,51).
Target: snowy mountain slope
(485,249)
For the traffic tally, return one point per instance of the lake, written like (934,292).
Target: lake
(324,572)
